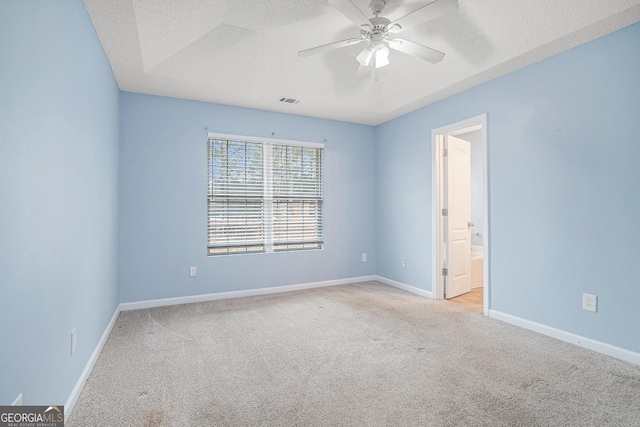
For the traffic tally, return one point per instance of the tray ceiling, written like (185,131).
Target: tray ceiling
(244,52)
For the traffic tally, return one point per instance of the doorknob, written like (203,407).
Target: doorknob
(470,224)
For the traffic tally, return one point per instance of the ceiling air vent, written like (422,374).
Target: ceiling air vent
(290,100)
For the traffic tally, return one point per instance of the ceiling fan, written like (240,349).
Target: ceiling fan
(379,33)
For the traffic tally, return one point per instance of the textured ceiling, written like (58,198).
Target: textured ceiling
(244,52)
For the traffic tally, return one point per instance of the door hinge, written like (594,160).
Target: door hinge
(445,152)
(445,212)
(445,271)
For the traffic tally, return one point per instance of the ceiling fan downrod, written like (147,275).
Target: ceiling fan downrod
(377,6)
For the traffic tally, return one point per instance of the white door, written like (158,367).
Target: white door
(458,233)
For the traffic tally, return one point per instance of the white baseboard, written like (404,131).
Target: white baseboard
(18,401)
(75,393)
(405,287)
(600,347)
(238,294)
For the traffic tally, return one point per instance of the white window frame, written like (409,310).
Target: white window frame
(268,197)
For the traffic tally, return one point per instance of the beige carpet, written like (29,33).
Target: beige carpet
(355,355)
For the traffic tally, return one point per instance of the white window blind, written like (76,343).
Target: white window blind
(263,195)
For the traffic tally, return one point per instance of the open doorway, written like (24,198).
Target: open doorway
(460,217)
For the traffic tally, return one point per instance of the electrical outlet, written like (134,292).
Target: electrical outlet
(364,257)
(590,302)
(404,263)
(192,272)
(73,341)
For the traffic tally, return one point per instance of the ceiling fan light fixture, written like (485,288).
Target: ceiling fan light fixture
(382,56)
(365,56)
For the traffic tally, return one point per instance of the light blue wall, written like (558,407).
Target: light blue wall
(403,200)
(564,168)
(58,197)
(163,200)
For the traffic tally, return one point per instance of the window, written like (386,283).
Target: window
(264,195)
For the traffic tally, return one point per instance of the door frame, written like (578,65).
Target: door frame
(438,241)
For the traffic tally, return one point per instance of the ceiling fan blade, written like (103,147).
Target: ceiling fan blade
(348,9)
(417,50)
(425,13)
(328,47)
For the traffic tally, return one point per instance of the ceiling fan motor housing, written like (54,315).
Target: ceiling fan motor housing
(380,24)
(379,30)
